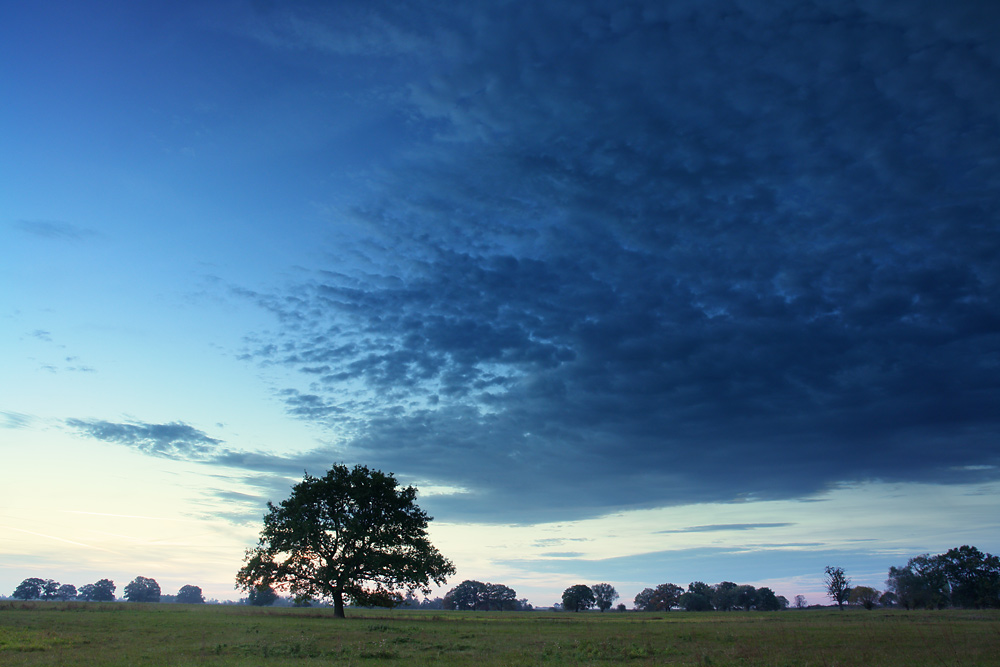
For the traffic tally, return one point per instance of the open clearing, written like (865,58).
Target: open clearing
(40,633)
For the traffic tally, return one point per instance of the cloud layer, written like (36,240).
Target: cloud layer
(640,254)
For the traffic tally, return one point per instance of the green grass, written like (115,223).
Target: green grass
(39,633)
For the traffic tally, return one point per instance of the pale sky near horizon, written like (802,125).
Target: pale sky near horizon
(637,292)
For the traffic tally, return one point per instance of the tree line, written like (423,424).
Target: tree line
(140,589)
(961,577)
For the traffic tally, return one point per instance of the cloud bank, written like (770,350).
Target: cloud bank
(639,254)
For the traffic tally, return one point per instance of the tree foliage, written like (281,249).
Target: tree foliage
(578,598)
(838,586)
(29,589)
(604,595)
(262,596)
(142,589)
(866,596)
(662,598)
(352,534)
(961,577)
(190,595)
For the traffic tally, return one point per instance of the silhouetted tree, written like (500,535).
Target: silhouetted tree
(578,597)
(766,600)
(66,592)
(974,577)
(262,596)
(142,589)
(103,591)
(662,598)
(921,584)
(190,595)
(866,596)
(468,595)
(838,586)
(800,601)
(697,598)
(724,595)
(352,534)
(29,589)
(604,595)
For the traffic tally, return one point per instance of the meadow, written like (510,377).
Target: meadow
(77,633)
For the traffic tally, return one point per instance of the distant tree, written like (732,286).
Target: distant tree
(500,597)
(468,595)
(724,596)
(190,595)
(578,597)
(662,598)
(66,592)
(974,577)
(746,597)
(604,595)
(103,590)
(142,589)
(697,598)
(838,586)
(800,601)
(866,596)
(29,589)
(766,600)
(621,607)
(261,596)
(921,584)
(50,589)
(887,599)
(353,534)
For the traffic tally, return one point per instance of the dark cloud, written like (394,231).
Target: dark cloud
(175,440)
(726,527)
(644,253)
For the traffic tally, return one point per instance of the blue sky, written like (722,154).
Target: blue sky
(633,292)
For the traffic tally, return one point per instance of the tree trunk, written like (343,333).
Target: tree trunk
(338,604)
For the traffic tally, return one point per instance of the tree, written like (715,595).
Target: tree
(190,595)
(766,600)
(66,592)
(50,589)
(724,595)
(351,534)
(746,597)
(697,598)
(866,596)
(500,597)
(838,586)
(800,601)
(604,595)
(142,589)
(920,584)
(29,589)
(103,591)
(468,596)
(578,597)
(262,596)
(974,577)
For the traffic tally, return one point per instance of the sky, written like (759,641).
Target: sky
(633,292)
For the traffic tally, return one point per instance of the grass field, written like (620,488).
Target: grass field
(40,633)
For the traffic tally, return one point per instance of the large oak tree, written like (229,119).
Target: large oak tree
(352,534)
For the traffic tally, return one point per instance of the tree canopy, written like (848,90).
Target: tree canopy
(578,597)
(604,595)
(190,595)
(352,534)
(142,589)
(838,586)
